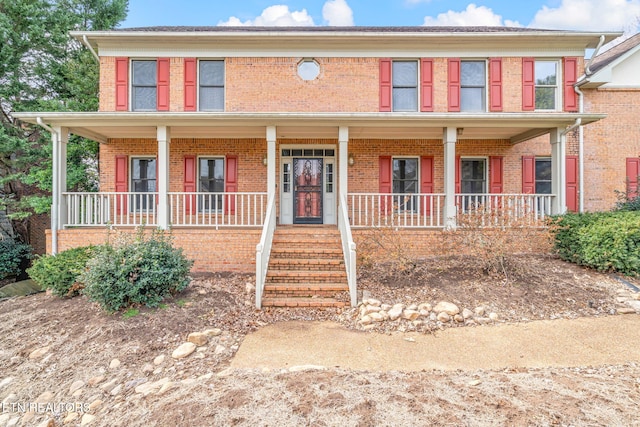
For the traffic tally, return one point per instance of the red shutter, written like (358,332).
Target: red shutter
(454,84)
(190,79)
(571,193)
(163,71)
(426,182)
(458,180)
(495,84)
(633,170)
(231,183)
(495,174)
(385,84)
(122,84)
(426,80)
(122,181)
(528,174)
(570,78)
(385,182)
(190,183)
(528,84)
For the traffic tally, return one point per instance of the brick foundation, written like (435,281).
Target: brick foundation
(211,250)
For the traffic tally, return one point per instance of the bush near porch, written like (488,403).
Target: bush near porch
(605,241)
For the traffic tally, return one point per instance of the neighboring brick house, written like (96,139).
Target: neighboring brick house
(225,134)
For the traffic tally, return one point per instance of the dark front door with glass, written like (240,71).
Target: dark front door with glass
(307,196)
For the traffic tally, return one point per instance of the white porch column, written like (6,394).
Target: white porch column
(55,191)
(343,162)
(164,140)
(558,171)
(271,161)
(60,175)
(449,213)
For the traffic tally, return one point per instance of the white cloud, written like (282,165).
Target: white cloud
(274,16)
(590,15)
(337,13)
(472,16)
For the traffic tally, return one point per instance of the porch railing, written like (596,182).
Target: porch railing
(263,249)
(185,209)
(348,249)
(502,210)
(426,210)
(94,209)
(395,210)
(217,209)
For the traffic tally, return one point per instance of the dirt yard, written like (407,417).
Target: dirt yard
(65,362)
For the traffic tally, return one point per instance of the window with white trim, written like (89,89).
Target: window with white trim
(404,81)
(211,85)
(473,176)
(546,84)
(144,89)
(473,81)
(543,175)
(143,180)
(211,181)
(405,181)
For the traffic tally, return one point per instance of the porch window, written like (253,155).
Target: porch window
(211,86)
(473,176)
(473,86)
(546,86)
(405,181)
(144,90)
(143,180)
(211,180)
(543,175)
(404,77)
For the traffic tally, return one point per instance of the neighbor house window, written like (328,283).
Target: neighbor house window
(211,86)
(546,87)
(144,90)
(473,86)
(473,176)
(404,77)
(405,181)
(211,180)
(543,175)
(143,180)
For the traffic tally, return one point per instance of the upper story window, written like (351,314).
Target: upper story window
(546,84)
(473,86)
(211,85)
(144,85)
(404,77)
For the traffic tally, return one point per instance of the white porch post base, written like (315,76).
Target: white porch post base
(449,212)
(558,171)
(164,139)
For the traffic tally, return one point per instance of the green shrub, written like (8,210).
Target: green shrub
(607,241)
(134,271)
(61,272)
(626,203)
(12,254)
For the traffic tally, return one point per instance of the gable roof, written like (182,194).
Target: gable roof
(612,55)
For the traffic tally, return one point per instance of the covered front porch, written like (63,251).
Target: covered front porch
(355,184)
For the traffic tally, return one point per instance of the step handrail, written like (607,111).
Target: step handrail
(263,249)
(348,249)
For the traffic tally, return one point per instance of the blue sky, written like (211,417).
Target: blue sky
(614,15)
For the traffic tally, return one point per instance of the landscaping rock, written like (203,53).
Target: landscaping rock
(467,314)
(410,314)
(184,350)
(115,364)
(198,338)
(443,317)
(76,386)
(96,380)
(213,332)
(479,311)
(395,312)
(159,360)
(87,419)
(38,353)
(446,307)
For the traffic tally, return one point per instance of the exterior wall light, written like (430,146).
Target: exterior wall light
(350,161)
(264,160)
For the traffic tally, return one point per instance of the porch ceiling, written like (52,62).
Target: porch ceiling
(516,127)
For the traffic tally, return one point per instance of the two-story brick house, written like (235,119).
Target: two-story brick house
(225,134)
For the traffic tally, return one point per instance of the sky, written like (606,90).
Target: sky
(591,15)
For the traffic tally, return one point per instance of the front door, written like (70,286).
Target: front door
(307,191)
